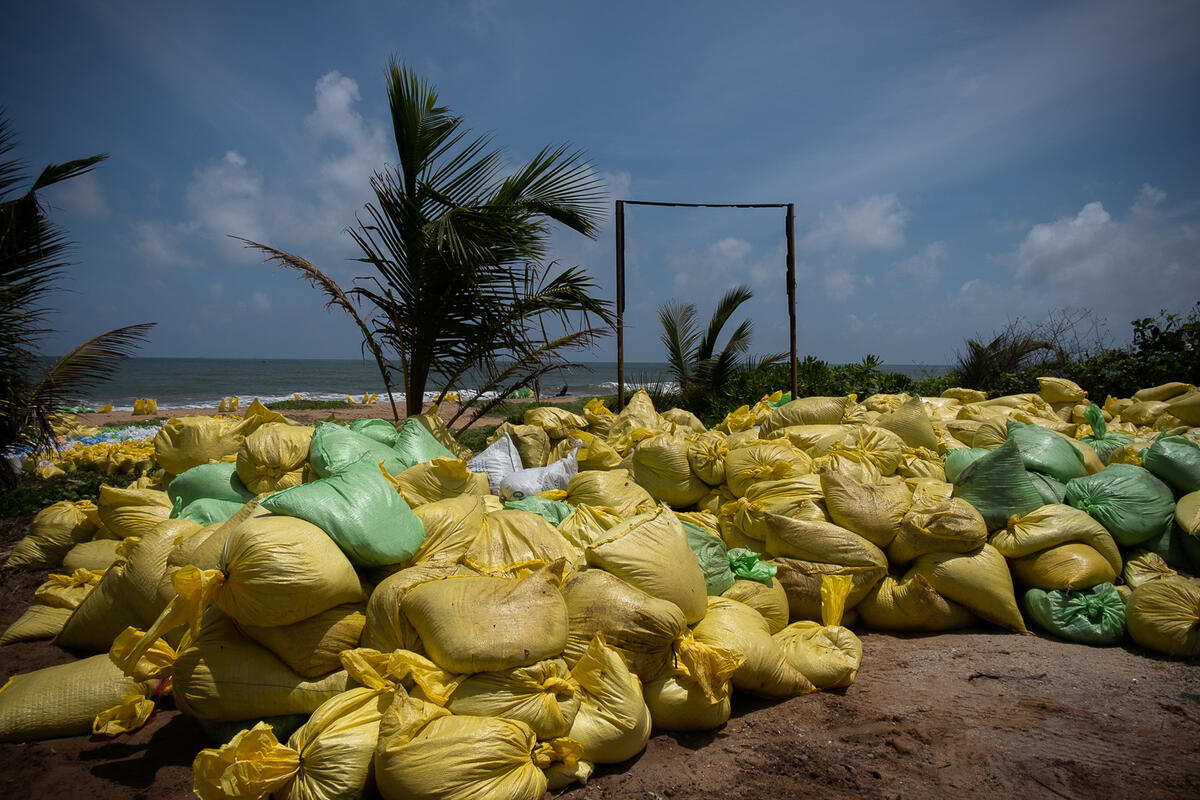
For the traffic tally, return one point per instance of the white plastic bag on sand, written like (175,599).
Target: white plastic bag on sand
(498,460)
(528,482)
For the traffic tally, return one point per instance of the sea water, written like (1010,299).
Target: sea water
(204,382)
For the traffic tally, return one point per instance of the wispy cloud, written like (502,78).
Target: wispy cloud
(81,197)
(924,268)
(872,223)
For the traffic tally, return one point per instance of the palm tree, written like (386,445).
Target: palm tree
(32,259)
(702,373)
(459,283)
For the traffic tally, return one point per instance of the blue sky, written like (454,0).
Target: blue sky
(954,165)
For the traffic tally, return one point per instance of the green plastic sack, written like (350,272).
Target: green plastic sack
(215,481)
(553,511)
(1127,500)
(748,565)
(1176,461)
(783,400)
(998,486)
(380,430)
(958,460)
(416,444)
(1052,491)
(1046,452)
(207,510)
(711,555)
(360,511)
(1103,442)
(1173,547)
(1093,616)
(335,449)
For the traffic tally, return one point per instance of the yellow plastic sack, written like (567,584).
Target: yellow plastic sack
(1063,567)
(532,442)
(53,532)
(186,442)
(854,464)
(64,700)
(1187,513)
(661,467)
(98,554)
(921,463)
(643,628)
(223,676)
(39,621)
(613,722)
(599,418)
(802,580)
(766,671)
(980,581)
(1053,525)
(824,542)
(555,421)
(541,695)
(706,457)
(438,479)
(811,411)
(1144,413)
(587,525)
(1186,408)
(482,624)
(272,458)
(450,527)
(768,599)
(676,703)
(1061,390)
(817,440)
(1164,615)
(327,758)
(827,654)
(131,512)
(763,461)
(311,646)
(650,551)
(425,752)
(872,511)
(937,525)
(513,542)
(911,604)
(596,453)
(911,423)
(386,628)
(614,489)
(1143,566)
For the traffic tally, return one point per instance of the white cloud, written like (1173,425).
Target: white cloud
(722,264)
(364,148)
(226,197)
(872,223)
(925,267)
(1066,248)
(260,302)
(82,197)
(164,245)
(842,284)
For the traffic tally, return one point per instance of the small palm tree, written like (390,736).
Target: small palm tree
(32,259)
(457,251)
(703,373)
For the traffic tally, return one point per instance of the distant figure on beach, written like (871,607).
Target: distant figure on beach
(562,392)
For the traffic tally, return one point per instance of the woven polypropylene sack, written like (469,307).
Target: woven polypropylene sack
(360,511)
(766,671)
(63,700)
(911,604)
(512,542)
(937,525)
(1095,616)
(650,551)
(557,422)
(613,723)
(1045,452)
(1176,461)
(52,534)
(998,486)
(311,646)
(768,598)
(334,449)
(1162,615)
(1127,500)
(614,489)
(497,460)
(416,444)
(531,441)
(483,624)
(809,411)
(979,581)
(131,512)
(661,467)
(1063,567)
(186,442)
(380,430)
(1053,525)
(273,457)
(541,695)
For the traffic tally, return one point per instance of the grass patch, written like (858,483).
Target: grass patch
(476,438)
(32,494)
(305,405)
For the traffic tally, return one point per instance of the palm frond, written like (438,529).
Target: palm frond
(726,307)
(680,334)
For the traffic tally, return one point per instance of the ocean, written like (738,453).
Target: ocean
(204,382)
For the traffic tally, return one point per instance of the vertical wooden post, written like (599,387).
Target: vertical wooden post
(620,226)
(791,287)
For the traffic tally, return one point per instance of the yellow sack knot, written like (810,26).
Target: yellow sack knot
(155,662)
(252,765)
(126,546)
(124,718)
(564,750)
(401,669)
(194,592)
(834,591)
(710,667)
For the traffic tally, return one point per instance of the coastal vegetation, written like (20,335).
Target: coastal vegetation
(457,243)
(33,257)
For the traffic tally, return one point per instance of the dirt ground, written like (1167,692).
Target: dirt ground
(978,713)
